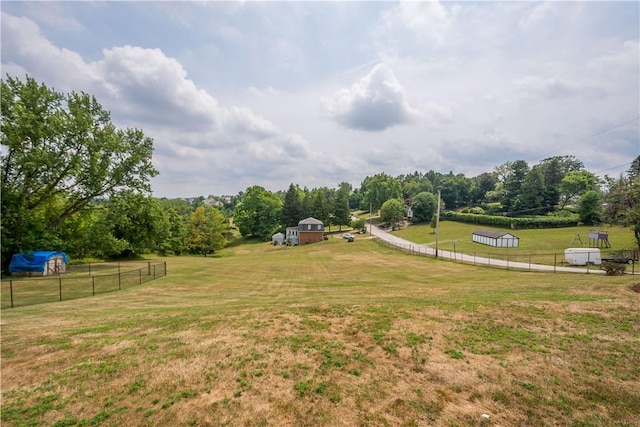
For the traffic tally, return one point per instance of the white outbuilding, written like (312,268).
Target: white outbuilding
(498,239)
(277,239)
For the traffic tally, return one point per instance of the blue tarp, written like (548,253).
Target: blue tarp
(35,261)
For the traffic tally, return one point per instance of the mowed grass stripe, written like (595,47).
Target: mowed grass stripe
(333,333)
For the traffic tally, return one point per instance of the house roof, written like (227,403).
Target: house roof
(310,220)
(493,234)
(277,235)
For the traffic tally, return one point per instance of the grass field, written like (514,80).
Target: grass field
(334,334)
(544,246)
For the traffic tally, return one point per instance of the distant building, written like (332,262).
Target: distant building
(498,239)
(309,230)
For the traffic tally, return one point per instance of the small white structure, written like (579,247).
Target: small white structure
(582,256)
(498,239)
(277,239)
(292,237)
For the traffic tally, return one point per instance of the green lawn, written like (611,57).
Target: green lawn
(544,245)
(333,333)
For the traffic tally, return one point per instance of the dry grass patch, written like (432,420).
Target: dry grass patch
(371,337)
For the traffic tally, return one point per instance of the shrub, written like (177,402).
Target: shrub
(511,222)
(614,268)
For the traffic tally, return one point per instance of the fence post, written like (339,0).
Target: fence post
(119,279)
(529,262)
(154,272)
(148,268)
(555,262)
(11,291)
(60,286)
(93,285)
(140,274)
(165,268)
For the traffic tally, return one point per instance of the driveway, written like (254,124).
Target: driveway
(417,249)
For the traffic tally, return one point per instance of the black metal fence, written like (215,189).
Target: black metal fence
(78,282)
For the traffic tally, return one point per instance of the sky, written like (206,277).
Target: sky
(236,94)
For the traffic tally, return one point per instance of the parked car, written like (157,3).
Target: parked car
(348,236)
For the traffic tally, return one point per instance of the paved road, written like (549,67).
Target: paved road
(418,249)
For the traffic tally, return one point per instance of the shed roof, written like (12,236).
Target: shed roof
(277,235)
(493,234)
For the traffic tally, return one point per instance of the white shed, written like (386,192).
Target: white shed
(498,239)
(277,239)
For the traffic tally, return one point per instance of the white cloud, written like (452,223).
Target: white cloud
(536,15)
(428,21)
(555,87)
(376,102)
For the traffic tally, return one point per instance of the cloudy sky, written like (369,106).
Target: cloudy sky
(236,94)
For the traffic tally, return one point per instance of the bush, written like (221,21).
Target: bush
(614,268)
(511,222)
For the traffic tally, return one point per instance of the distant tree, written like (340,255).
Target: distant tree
(455,190)
(392,211)
(356,198)
(413,184)
(575,183)
(532,192)
(590,207)
(258,215)
(60,153)
(423,205)
(341,214)
(553,170)
(177,242)
(378,189)
(481,185)
(138,220)
(622,199)
(514,178)
(319,206)
(207,227)
(292,207)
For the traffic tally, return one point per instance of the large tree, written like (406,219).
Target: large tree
(378,189)
(207,228)
(423,205)
(59,153)
(258,215)
(341,214)
(392,211)
(292,207)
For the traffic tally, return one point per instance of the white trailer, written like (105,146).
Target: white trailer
(583,256)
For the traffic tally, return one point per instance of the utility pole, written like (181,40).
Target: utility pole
(437,223)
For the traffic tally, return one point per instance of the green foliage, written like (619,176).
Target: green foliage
(392,211)
(207,227)
(511,222)
(590,207)
(258,215)
(614,268)
(60,152)
(341,214)
(423,205)
(292,208)
(378,189)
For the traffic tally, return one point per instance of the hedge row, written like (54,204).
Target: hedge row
(511,222)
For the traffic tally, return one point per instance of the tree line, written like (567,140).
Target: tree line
(72,181)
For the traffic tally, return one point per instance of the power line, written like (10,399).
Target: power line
(593,136)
